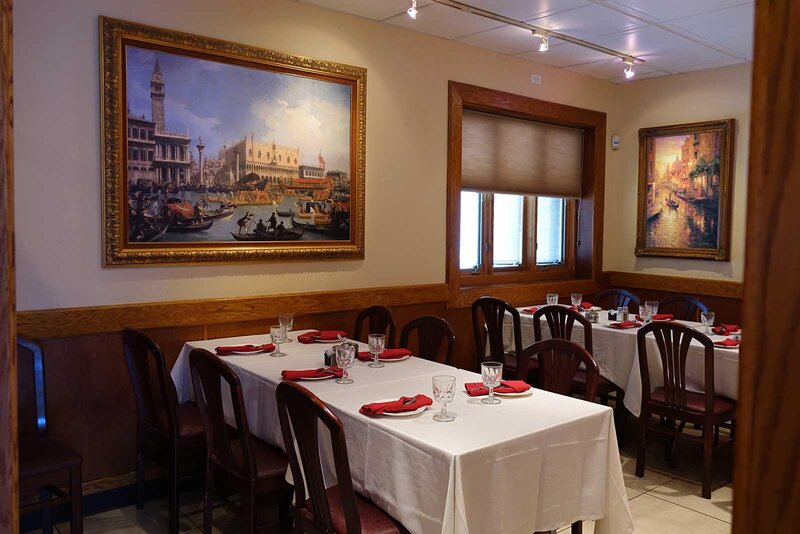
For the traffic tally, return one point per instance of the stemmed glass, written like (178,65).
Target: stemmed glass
(278,334)
(552,299)
(645,312)
(345,354)
(377,342)
(492,374)
(708,320)
(286,320)
(444,388)
(653,304)
(576,299)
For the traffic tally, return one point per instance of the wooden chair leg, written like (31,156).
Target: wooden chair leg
(733,429)
(642,445)
(249,511)
(577,527)
(708,456)
(620,414)
(208,502)
(716,435)
(47,513)
(76,500)
(285,509)
(140,469)
(669,445)
(174,515)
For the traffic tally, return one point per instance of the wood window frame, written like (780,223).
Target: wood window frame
(582,268)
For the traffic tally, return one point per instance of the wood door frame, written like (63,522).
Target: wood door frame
(9,505)
(767,487)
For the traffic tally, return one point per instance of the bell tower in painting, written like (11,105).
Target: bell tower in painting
(157,96)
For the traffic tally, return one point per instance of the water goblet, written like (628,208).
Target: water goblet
(376,342)
(653,306)
(552,299)
(287,320)
(576,299)
(444,388)
(492,374)
(345,354)
(277,333)
(708,320)
(645,313)
(622,313)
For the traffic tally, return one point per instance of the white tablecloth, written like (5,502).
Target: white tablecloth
(616,353)
(529,464)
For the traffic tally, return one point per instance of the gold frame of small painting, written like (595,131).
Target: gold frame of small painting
(685,190)
(156,175)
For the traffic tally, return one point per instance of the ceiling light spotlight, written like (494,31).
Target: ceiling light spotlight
(544,46)
(629,69)
(412,11)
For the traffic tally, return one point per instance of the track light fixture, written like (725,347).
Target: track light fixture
(412,11)
(629,69)
(544,46)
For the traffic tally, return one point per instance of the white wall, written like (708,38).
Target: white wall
(57,145)
(692,97)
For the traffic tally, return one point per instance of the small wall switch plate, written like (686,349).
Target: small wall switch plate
(536,79)
(615,142)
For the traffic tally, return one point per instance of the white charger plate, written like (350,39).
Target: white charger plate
(515,394)
(400,414)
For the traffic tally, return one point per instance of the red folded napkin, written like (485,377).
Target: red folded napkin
(532,309)
(726,329)
(475,389)
(625,324)
(223,351)
(727,342)
(403,404)
(321,335)
(304,374)
(387,354)
(658,317)
(584,306)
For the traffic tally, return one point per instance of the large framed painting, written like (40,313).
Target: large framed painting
(221,152)
(685,187)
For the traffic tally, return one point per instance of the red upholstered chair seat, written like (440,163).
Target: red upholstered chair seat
(696,402)
(270,462)
(373,519)
(39,455)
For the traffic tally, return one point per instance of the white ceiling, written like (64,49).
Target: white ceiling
(671,36)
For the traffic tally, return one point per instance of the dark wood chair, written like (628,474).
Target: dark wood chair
(235,460)
(611,299)
(43,460)
(683,307)
(337,509)
(379,321)
(488,316)
(161,418)
(431,333)
(559,362)
(673,402)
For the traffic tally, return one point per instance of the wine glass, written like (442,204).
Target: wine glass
(708,320)
(492,374)
(287,320)
(444,388)
(645,312)
(345,354)
(552,299)
(377,342)
(576,299)
(278,334)
(653,304)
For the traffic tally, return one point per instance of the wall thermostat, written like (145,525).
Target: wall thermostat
(615,142)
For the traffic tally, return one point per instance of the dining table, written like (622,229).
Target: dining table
(616,352)
(532,463)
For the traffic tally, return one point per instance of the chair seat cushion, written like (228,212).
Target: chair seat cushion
(190,425)
(373,519)
(696,402)
(271,462)
(42,455)
(602,382)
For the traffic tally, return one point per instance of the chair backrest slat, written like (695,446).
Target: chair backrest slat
(300,412)
(683,307)
(38,410)
(209,373)
(673,341)
(432,333)
(559,361)
(488,316)
(380,320)
(155,392)
(560,321)
(616,298)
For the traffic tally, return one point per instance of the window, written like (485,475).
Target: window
(550,230)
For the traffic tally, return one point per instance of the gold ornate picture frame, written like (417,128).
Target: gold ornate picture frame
(685,190)
(215,151)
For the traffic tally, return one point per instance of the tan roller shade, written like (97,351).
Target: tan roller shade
(505,155)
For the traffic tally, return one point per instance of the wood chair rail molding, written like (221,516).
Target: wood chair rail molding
(66,322)
(674,284)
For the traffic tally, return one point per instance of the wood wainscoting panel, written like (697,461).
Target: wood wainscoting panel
(674,284)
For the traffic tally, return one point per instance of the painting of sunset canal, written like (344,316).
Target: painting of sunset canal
(221,152)
(685,191)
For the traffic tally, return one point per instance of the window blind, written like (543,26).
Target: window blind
(506,155)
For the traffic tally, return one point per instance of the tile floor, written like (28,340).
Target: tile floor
(666,501)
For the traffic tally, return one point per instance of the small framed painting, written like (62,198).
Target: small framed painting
(685,188)
(221,152)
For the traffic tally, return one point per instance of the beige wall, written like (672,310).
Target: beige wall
(692,97)
(57,147)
